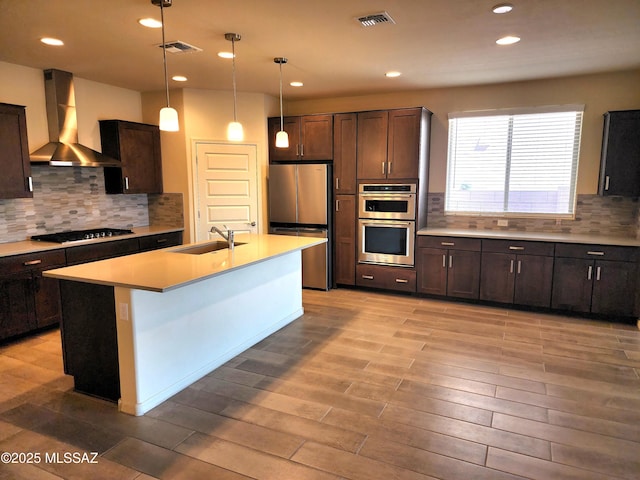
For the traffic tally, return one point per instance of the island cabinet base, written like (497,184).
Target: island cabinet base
(168,340)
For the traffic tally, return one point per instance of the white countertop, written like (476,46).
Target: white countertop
(533,236)
(167,269)
(30,246)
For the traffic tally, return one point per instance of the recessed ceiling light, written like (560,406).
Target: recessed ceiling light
(225,54)
(296,84)
(52,41)
(502,8)
(508,40)
(179,78)
(392,74)
(150,23)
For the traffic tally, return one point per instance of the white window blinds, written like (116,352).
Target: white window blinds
(514,161)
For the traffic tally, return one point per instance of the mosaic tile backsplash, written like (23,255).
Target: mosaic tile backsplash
(595,215)
(73,198)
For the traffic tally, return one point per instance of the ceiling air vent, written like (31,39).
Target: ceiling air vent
(375,19)
(180,47)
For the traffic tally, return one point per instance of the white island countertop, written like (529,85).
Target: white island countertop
(169,268)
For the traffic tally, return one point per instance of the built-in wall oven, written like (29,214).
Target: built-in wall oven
(386,224)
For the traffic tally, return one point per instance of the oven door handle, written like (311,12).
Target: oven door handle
(384,223)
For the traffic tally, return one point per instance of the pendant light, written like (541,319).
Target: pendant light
(168,116)
(282,137)
(234,130)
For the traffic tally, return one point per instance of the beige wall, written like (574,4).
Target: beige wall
(599,93)
(204,115)
(94,101)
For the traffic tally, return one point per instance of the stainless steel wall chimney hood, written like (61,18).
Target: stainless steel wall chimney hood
(63,149)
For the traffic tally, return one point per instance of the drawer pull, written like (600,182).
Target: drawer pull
(32,262)
(447,244)
(161,240)
(516,248)
(402,280)
(594,252)
(367,277)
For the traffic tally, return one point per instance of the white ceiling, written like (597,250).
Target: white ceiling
(434,43)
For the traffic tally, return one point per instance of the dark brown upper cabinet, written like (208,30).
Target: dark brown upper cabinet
(620,161)
(137,146)
(15,181)
(310,138)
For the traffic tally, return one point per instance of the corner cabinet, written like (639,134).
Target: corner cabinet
(137,146)
(310,138)
(620,161)
(15,181)
(393,144)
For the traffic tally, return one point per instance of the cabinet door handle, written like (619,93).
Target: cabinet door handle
(367,277)
(30,180)
(511,267)
(337,205)
(126,183)
(606,182)
(519,266)
(589,272)
(337,183)
(598,273)
(383,172)
(444,261)
(450,261)
(302,149)
(447,244)
(402,280)
(388,167)
(32,262)
(592,252)
(516,248)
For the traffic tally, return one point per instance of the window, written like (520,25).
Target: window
(520,162)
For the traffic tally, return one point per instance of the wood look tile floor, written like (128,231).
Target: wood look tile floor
(364,386)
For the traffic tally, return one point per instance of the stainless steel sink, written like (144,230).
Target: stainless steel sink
(207,247)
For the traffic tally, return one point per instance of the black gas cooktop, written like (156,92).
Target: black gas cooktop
(77,235)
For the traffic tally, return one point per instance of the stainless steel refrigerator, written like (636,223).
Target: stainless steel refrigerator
(299,198)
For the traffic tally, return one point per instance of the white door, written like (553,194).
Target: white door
(227,188)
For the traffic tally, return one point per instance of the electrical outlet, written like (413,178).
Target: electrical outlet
(503,223)
(124,311)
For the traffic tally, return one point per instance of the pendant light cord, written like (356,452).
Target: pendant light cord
(233,74)
(281,119)
(164,53)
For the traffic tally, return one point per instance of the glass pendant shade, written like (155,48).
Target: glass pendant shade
(282,139)
(169,119)
(235,133)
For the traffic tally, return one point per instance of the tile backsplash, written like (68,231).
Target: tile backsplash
(73,198)
(596,215)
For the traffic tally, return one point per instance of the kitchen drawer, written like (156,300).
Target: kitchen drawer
(100,251)
(389,278)
(603,252)
(452,243)
(32,261)
(163,240)
(518,247)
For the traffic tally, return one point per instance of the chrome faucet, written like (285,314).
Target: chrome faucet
(228,235)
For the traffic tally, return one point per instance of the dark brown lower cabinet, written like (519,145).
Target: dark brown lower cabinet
(595,286)
(389,278)
(454,273)
(519,279)
(27,300)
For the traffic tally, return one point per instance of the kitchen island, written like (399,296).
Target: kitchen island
(140,328)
